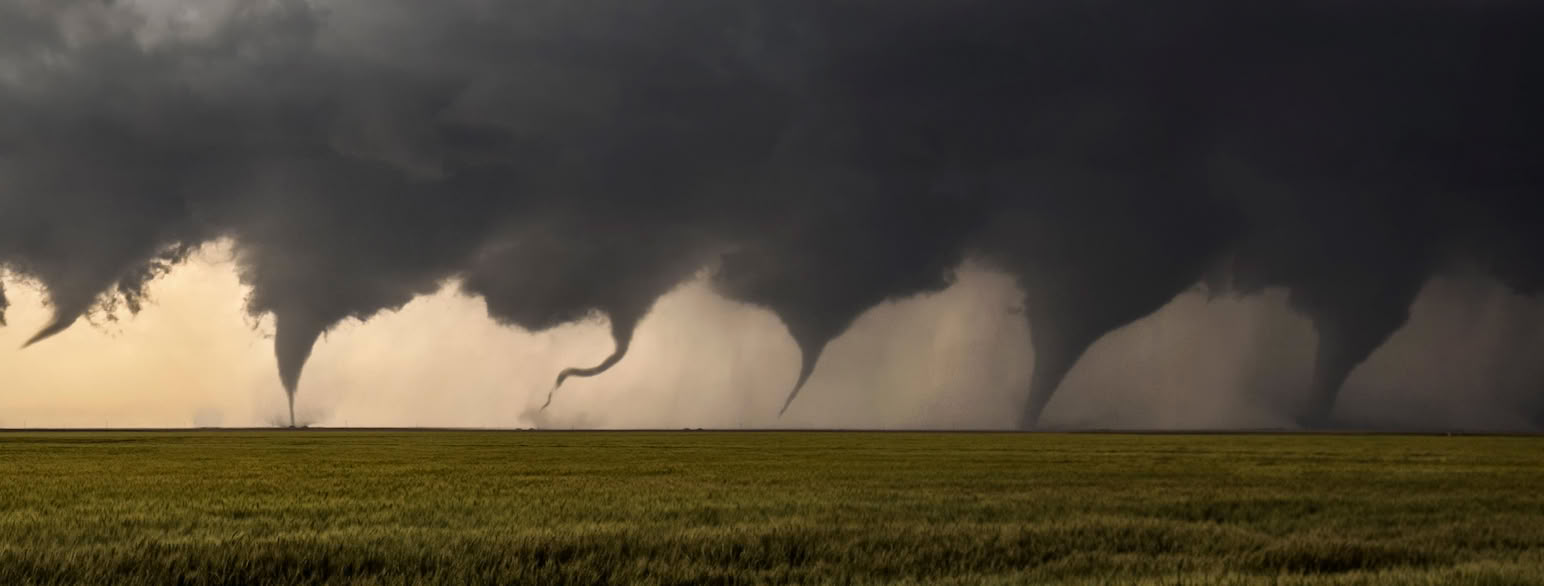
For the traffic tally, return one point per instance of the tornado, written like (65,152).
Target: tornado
(1096,254)
(811,337)
(819,280)
(1065,322)
(621,337)
(60,322)
(537,279)
(560,164)
(623,324)
(4,303)
(809,356)
(812,322)
(1058,343)
(1351,323)
(67,309)
(295,335)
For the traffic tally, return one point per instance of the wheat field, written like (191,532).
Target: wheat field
(367,507)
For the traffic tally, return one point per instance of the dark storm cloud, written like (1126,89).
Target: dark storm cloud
(572,159)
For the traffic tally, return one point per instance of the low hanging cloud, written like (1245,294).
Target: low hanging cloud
(564,159)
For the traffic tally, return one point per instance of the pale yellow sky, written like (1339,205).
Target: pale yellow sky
(194,357)
(957,359)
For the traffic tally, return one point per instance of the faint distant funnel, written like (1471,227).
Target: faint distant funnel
(623,324)
(294,337)
(4,303)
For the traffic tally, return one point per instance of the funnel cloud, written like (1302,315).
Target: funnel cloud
(569,161)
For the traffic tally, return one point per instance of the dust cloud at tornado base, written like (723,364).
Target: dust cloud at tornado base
(956,359)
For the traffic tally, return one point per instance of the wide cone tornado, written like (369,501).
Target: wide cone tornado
(1063,325)
(1057,350)
(1349,330)
(1101,279)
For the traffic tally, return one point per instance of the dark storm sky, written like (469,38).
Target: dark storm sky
(560,158)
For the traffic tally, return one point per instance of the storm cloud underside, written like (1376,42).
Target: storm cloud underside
(563,160)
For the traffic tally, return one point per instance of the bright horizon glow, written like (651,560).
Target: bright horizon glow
(958,359)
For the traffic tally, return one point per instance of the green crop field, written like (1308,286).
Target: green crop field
(731,508)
